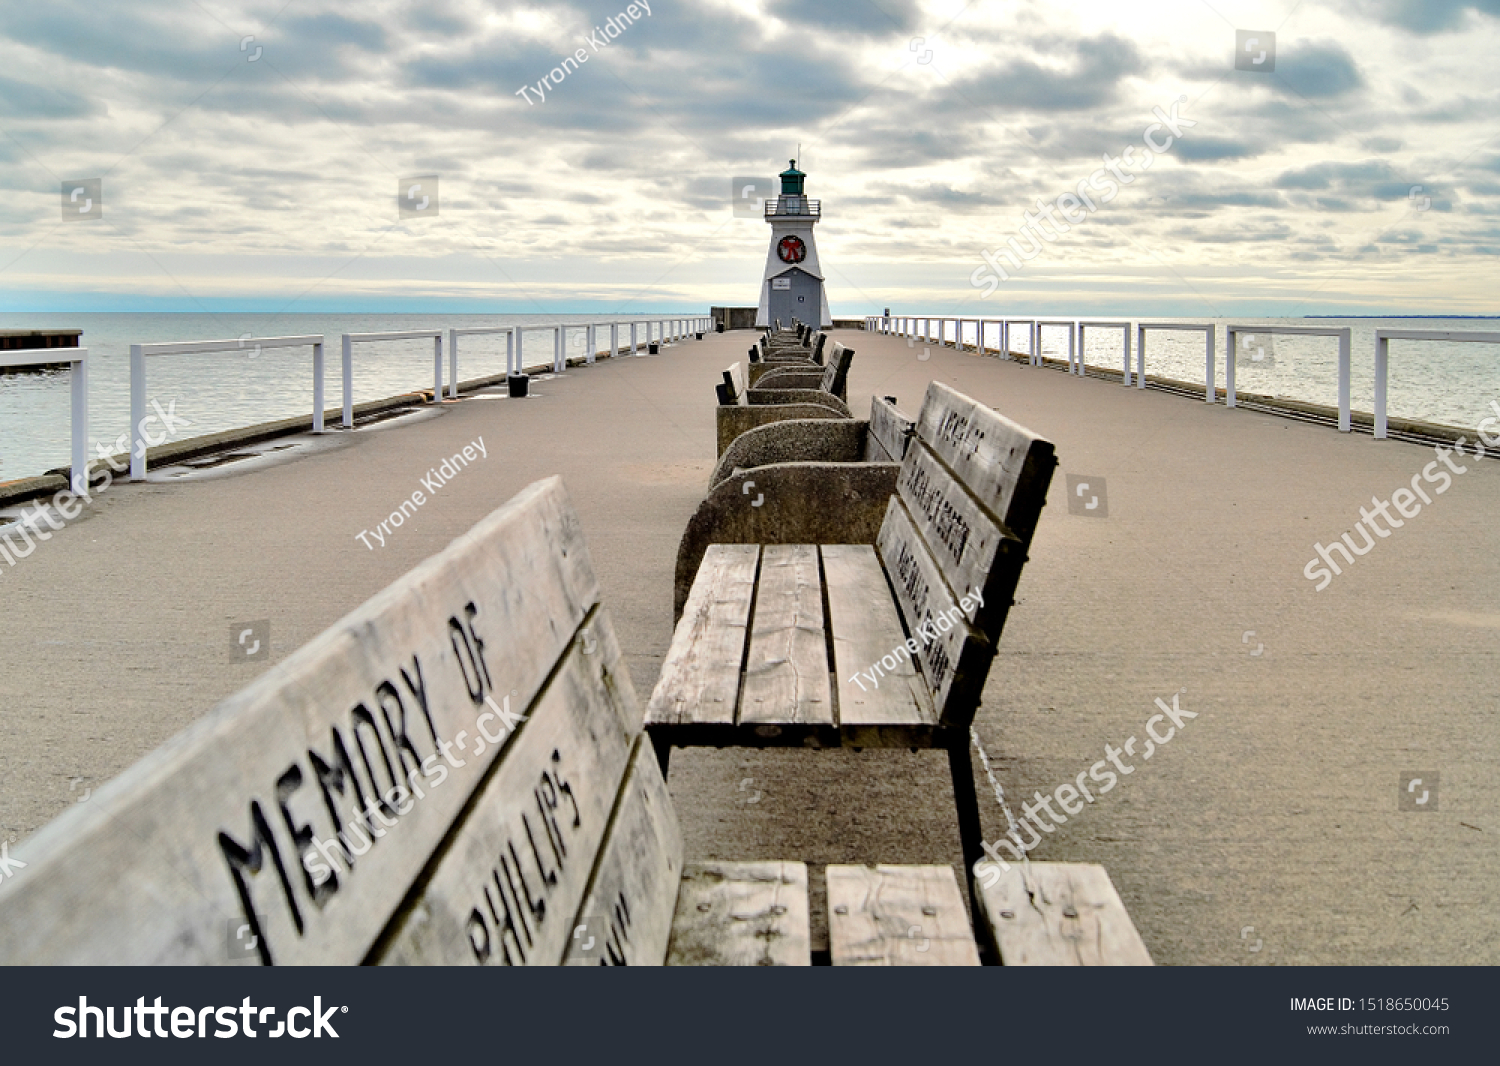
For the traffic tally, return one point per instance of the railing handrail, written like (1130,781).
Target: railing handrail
(810,207)
(238,344)
(393,335)
(1478,336)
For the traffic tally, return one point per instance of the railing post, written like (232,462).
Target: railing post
(137,413)
(1382,366)
(1231,356)
(79,473)
(512,339)
(1126,331)
(591,340)
(1344,380)
(348,383)
(1140,357)
(318,387)
(453,363)
(437,367)
(614,339)
(1208,362)
(634,345)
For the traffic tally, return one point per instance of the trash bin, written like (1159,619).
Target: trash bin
(519,385)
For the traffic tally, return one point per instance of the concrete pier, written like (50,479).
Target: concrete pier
(1271,829)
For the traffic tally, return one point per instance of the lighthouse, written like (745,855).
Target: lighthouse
(793,282)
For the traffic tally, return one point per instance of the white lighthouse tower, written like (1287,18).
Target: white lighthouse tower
(793,282)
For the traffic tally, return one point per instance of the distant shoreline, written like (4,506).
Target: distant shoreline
(1404,316)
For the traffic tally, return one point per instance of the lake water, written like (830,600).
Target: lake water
(224,390)
(1451,383)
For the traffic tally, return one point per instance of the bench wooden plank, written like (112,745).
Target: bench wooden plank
(1005,466)
(866,629)
(954,656)
(212,828)
(741,914)
(700,679)
(890,429)
(504,887)
(1057,914)
(963,538)
(786,670)
(898,916)
(633,895)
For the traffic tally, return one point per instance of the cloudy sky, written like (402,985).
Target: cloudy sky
(251,154)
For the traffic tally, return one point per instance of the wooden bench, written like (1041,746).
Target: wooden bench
(831,376)
(881,439)
(794,640)
(454,773)
(787,350)
(742,408)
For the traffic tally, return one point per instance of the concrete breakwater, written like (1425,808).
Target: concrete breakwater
(1283,811)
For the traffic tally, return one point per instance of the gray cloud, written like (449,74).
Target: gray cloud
(1427,16)
(1093,69)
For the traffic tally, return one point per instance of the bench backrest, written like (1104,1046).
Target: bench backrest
(836,371)
(732,390)
(890,431)
(379,797)
(971,488)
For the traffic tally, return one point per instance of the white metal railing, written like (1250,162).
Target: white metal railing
(1123,327)
(473,331)
(1071,326)
(78,365)
(77,358)
(913,326)
(1383,338)
(351,339)
(1208,331)
(1341,332)
(138,353)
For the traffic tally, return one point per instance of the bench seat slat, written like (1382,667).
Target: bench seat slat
(529,840)
(742,914)
(898,916)
(954,659)
(865,630)
(633,893)
(786,670)
(700,678)
(1057,914)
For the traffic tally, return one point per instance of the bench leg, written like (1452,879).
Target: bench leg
(663,748)
(970,833)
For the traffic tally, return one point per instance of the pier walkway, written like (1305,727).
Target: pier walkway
(1272,829)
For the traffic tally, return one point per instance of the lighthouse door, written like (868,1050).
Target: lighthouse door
(795,294)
